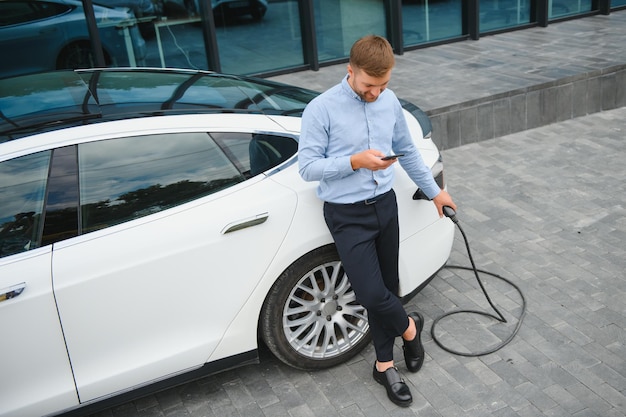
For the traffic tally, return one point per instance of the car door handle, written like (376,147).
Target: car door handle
(12,291)
(242,224)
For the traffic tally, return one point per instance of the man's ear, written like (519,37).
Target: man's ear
(350,71)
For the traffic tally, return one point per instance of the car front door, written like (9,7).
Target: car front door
(175,237)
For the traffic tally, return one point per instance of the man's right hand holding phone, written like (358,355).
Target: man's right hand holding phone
(372,159)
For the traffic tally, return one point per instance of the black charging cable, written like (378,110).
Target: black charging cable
(451,214)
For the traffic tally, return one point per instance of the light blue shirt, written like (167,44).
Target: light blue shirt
(338,124)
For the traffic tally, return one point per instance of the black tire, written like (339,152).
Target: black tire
(257,14)
(78,55)
(310,319)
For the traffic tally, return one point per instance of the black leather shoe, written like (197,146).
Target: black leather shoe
(413,349)
(397,390)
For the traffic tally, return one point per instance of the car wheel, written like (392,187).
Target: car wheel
(257,14)
(311,319)
(78,55)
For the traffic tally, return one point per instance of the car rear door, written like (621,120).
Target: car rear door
(152,295)
(36,377)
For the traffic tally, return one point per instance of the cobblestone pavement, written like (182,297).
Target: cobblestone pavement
(545,208)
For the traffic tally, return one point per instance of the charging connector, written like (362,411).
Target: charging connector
(450,213)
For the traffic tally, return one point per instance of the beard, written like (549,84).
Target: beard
(367,97)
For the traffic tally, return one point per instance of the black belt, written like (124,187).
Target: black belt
(373,200)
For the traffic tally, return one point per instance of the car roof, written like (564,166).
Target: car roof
(49,101)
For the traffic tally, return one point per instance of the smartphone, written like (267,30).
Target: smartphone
(388,157)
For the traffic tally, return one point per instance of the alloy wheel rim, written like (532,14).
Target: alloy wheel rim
(321,317)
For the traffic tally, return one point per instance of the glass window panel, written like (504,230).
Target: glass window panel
(254,42)
(501,14)
(617,3)
(159,33)
(254,153)
(122,43)
(340,23)
(176,41)
(562,8)
(22,195)
(128,178)
(426,21)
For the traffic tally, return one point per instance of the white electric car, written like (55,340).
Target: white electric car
(154,228)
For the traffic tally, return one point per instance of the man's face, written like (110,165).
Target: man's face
(366,86)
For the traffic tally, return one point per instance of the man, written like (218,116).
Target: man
(345,134)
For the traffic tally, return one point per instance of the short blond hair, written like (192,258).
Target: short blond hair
(372,54)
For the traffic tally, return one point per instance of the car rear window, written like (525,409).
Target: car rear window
(22,193)
(50,101)
(170,91)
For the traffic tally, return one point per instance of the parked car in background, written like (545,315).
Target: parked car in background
(235,8)
(185,8)
(222,9)
(154,229)
(140,8)
(44,35)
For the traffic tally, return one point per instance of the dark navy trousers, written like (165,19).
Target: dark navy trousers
(367,238)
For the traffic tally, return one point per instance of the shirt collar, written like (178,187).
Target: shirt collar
(348,89)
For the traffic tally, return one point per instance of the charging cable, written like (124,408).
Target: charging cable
(451,214)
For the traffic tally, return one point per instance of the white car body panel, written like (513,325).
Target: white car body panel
(38,382)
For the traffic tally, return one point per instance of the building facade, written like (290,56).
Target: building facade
(252,37)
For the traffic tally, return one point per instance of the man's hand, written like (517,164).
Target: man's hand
(443,199)
(370,159)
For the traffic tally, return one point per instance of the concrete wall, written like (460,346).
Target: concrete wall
(530,107)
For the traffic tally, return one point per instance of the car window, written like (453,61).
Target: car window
(22,192)
(254,153)
(127,178)
(15,12)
